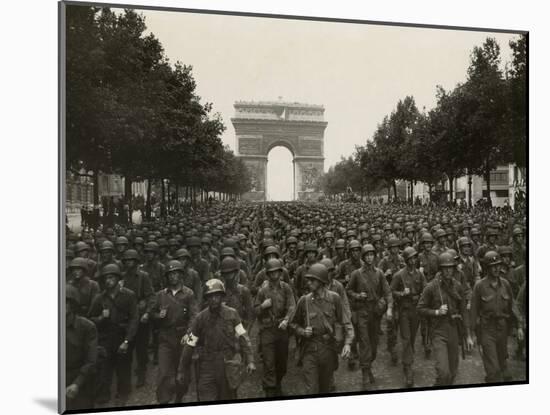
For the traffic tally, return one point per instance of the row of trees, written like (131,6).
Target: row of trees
(131,112)
(478,125)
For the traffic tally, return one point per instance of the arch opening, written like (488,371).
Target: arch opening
(280,174)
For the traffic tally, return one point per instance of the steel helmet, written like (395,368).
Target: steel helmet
(193,241)
(310,247)
(300,247)
(491,258)
(138,241)
(354,244)
(505,250)
(79,263)
(393,242)
(227,251)
(110,269)
(327,262)
(291,240)
(106,246)
(121,240)
(130,254)
(453,253)
(517,231)
(440,233)
(426,237)
(475,231)
(366,249)
(376,237)
(229,264)
(340,244)
(182,253)
(464,241)
(446,259)
(151,246)
(409,252)
(213,286)
(329,235)
(81,246)
(319,272)
(174,265)
(492,232)
(273,265)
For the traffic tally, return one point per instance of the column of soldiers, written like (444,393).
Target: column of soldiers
(186,293)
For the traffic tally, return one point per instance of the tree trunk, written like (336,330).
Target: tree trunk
(169,196)
(148,203)
(163,199)
(412,193)
(394,183)
(128,195)
(469,190)
(430,191)
(450,189)
(95,178)
(177,193)
(488,180)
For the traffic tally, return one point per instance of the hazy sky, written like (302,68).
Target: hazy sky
(357,71)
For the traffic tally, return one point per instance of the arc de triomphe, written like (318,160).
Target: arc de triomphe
(261,126)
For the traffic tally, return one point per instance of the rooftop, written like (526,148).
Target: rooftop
(277,104)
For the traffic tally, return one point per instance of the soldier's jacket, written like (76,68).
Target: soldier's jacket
(300,281)
(429,262)
(123,319)
(292,269)
(213,261)
(519,275)
(438,249)
(239,298)
(517,254)
(241,278)
(245,268)
(521,302)
(289,259)
(262,276)
(391,263)
(155,270)
(339,289)
(438,292)
(326,253)
(346,268)
(88,289)
(81,351)
(510,275)
(92,267)
(492,301)
(337,260)
(326,317)
(371,281)
(181,308)
(200,265)
(471,269)
(282,303)
(414,281)
(140,284)
(219,333)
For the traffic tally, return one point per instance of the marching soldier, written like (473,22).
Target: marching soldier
(173,309)
(320,322)
(370,296)
(444,300)
(274,304)
(407,285)
(467,263)
(87,288)
(190,277)
(518,246)
(494,304)
(198,263)
(152,266)
(340,253)
(237,295)
(441,242)
(351,264)
(82,250)
(222,344)
(300,282)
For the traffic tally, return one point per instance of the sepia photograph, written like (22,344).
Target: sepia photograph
(268,207)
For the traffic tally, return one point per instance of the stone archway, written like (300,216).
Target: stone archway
(261,126)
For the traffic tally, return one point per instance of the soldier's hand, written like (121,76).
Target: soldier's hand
(267,303)
(363,294)
(162,313)
(308,331)
(469,344)
(346,351)
(106,313)
(388,272)
(283,325)
(520,334)
(145,318)
(406,291)
(250,368)
(72,391)
(421,269)
(443,310)
(123,348)
(390,314)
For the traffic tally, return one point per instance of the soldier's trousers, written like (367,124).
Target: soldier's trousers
(120,364)
(212,383)
(391,333)
(169,358)
(426,330)
(494,349)
(367,337)
(318,365)
(141,345)
(274,350)
(445,349)
(408,326)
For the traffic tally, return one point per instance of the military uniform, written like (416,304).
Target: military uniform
(428,262)
(155,270)
(239,298)
(87,289)
(273,340)
(346,267)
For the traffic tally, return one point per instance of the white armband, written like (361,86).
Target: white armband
(192,340)
(239,330)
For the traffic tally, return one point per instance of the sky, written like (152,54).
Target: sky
(358,72)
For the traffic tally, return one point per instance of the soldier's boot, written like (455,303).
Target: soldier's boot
(279,389)
(394,357)
(140,378)
(372,379)
(427,352)
(366,381)
(409,381)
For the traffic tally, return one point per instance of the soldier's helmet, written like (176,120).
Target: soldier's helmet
(492,232)
(213,286)
(272,249)
(475,231)
(291,240)
(273,265)
(121,240)
(193,241)
(354,244)
(79,263)
(453,253)
(446,259)
(130,254)
(227,251)
(229,264)
(138,241)
(440,233)
(464,241)
(174,265)
(327,262)
(151,247)
(81,246)
(340,243)
(110,269)
(351,233)
(426,237)
(106,246)
(182,253)
(69,254)
(409,252)
(72,294)
(376,237)
(517,231)
(505,250)
(329,235)
(393,242)
(300,247)
(319,272)
(310,247)
(491,258)
(366,249)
